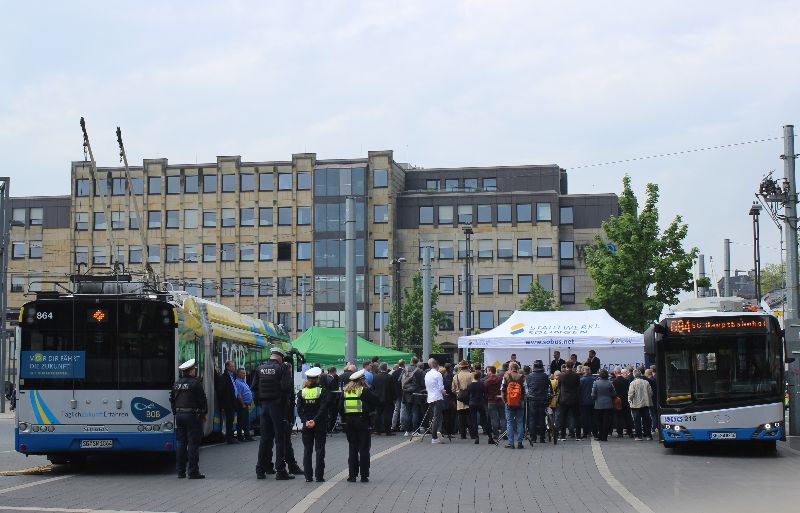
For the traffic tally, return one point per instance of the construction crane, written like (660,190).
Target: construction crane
(104,194)
(135,203)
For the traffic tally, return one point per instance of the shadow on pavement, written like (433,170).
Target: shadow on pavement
(744,450)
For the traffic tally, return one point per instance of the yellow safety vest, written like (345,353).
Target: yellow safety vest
(311,394)
(352,401)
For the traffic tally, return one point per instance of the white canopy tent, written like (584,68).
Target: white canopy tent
(535,335)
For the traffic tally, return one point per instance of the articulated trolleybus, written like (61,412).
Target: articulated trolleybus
(720,377)
(96,364)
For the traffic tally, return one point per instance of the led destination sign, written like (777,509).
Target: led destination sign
(718,325)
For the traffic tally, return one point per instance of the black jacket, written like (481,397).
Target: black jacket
(539,388)
(569,388)
(621,386)
(188,393)
(226,393)
(555,365)
(383,386)
(368,399)
(277,383)
(318,411)
(594,365)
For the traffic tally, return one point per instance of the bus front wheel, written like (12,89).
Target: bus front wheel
(669,445)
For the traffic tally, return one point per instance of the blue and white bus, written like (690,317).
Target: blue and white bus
(96,365)
(720,377)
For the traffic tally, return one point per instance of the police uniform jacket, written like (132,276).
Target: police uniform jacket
(313,408)
(368,401)
(272,382)
(187,396)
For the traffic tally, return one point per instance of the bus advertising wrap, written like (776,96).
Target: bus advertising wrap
(52,364)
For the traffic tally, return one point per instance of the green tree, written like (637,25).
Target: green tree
(638,267)
(772,277)
(703,282)
(538,299)
(411,317)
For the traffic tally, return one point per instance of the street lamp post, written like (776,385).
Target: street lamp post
(467,282)
(397,293)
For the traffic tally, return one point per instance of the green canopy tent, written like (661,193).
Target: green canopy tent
(326,346)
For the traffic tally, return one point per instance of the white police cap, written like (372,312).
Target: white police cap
(357,375)
(278,350)
(313,372)
(188,364)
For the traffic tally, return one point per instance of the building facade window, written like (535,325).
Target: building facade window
(265,252)
(265,182)
(83,187)
(503,315)
(18,215)
(101,187)
(470,184)
(173,218)
(228,252)
(190,255)
(504,213)
(172,253)
(524,248)
(247,287)
(229,183)
(228,217)
(81,221)
(505,284)
(376,316)
(544,248)
(285,286)
(486,319)
(461,325)
(209,287)
(138,185)
(543,212)
(209,183)
(446,321)
(446,285)
(247,252)
(490,184)
(303,216)
(209,218)
(153,185)
(190,218)
(284,181)
(173,184)
(451,185)
(445,250)
(377,281)
(484,213)
(304,181)
(432,185)
(284,216)
(524,283)
(566,252)
(247,217)
(18,250)
(445,214)
(99,221)
(134,254)
(209,252)
(523,212)
(465,214)
(17,283)
(35,249)
(117,186)
(380,213)
(133,221)
(304,251)
(117,220)
(247,182)
(36,216)
(546,281)
(380,178)
(486,284)
(380,249)
(425,215)
(485,248)
(191,184)
(154,253)
(567,290)
(264,216)
(565,215)
(82,255)
(99,255)
(505,248)
(285,319)
(228,287)
(153,219)
(266,287)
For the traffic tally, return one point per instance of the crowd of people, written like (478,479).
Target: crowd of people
(511,403)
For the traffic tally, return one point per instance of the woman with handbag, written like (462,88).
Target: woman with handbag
(604,397)
(475,396)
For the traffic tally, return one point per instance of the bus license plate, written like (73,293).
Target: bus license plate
(97,444)
(723,436)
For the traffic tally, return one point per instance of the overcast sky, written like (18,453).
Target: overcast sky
(441,83)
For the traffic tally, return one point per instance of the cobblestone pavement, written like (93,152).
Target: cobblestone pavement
(617,476)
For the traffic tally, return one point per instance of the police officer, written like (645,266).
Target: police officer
(312,406)
(190,407)
(272,385)
(291,461)
(357,402)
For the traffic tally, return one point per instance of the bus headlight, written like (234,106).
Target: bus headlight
(140,427)
(51,428)
(35,429)
(23,427)
(169,426)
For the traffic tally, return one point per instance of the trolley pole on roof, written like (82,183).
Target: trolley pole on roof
(350,307)
(105,196)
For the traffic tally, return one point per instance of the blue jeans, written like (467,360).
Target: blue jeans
(514,419)
(410,417)
(496,417)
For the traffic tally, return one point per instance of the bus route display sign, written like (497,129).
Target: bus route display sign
(53,364)
(718,325)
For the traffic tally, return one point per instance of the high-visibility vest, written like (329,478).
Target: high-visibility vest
(352,401)
(311,394)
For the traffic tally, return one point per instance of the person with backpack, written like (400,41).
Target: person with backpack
(461,381)
(411,382)
(513,391)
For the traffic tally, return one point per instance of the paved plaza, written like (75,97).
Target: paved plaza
(459,477)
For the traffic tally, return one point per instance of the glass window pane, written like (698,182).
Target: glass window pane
(247,252)
(228,252)
(546,281)
(209,183)
(380,178)
(190,253)
(284,181)
(247,182)
(82,188)
(425,215)
(451,185)
(303,181)
(544,248)
(304,251)
(265,181)
(432,185)
(190,185)
(567,249)
(485,248)
(284,216)
(381,213)
(154,185)
(470,184)
(134,254)
(446,321)
(303,215)
(228,183)
(524,248)
(486,319)
(173,218)
(209,252)
(445,250)
(209,287)
(265,251)
(190,218)
(172,253)
(504,213)
(380,249)
(566,215)
(446,214)
(446,284)
(174,184)
(100,220)
(485,284)
(505,284)
(465,214)
(246,217)
(484,214)
(209,218)
(118,187)
(265,217)
(36,215)
(523,212)
(154,219)
(228,217)
(153,253)
(82,255)
(524,283)
(543,212)
(17,249)
(505,248)
(490,184)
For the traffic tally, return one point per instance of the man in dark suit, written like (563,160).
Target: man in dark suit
(593,362)
(226,399)
(383,387)
(557,362)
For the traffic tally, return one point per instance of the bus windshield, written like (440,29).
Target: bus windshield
(719,369)
(120,345)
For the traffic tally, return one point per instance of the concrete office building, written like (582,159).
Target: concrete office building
(247,233)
